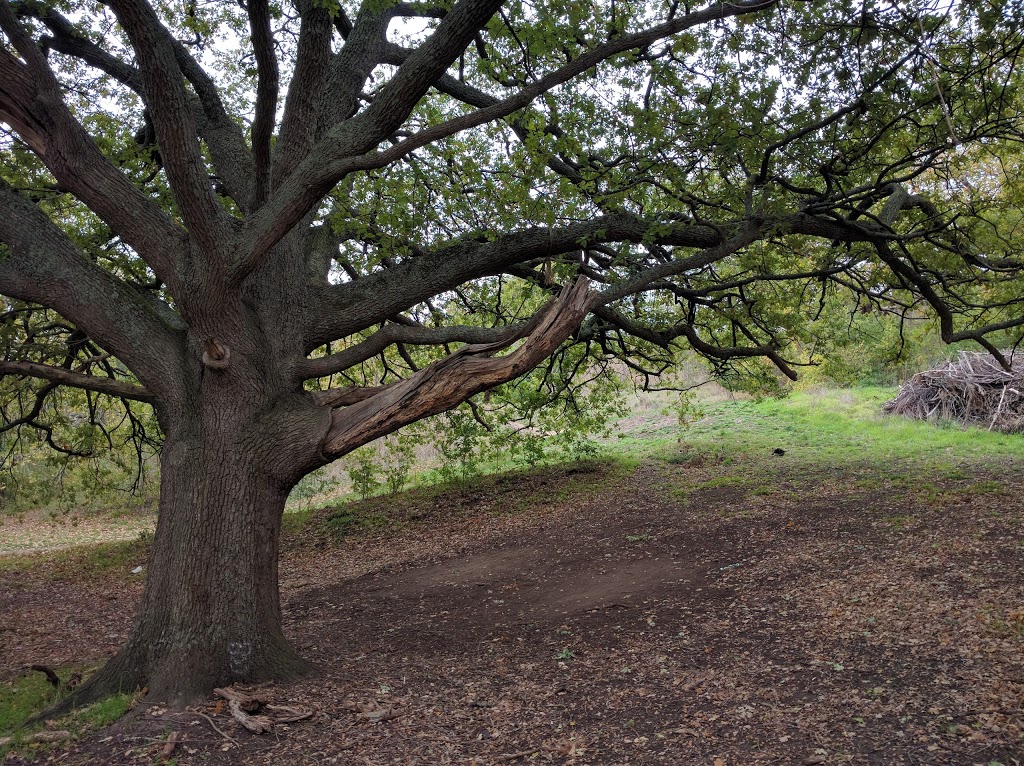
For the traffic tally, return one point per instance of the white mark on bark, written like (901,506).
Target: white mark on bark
(239,654)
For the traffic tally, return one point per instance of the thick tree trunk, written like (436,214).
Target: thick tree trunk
(210,613)
(236,444)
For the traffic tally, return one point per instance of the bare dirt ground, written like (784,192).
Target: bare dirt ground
(654,618)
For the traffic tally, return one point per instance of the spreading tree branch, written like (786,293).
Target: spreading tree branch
(65,377)
(266,97)
(390,334)
(349,307)
(228,151)
(365,47)
(347,148)
(44,266)
(31,102)
(302,107)
(176,131)
(450,381)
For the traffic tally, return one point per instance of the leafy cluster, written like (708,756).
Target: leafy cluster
(749,184)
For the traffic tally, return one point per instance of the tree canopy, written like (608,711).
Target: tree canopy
(292,228)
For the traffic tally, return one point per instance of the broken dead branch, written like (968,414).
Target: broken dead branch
(257,724)
(250,702)
(256,714)
(286,714)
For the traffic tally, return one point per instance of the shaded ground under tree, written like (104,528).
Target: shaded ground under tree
(675,614)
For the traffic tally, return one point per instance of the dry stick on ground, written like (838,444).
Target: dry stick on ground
(172,743)
(242,707)
(39,736)
(516,756)
(257,724)
(250,703)
(286,714)
(216,728)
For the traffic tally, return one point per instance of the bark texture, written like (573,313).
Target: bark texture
(210,613)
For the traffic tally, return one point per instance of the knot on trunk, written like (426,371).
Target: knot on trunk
(216,356)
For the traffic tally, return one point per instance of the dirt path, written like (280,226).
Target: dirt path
(815,622)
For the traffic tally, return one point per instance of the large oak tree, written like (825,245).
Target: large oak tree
(294,227)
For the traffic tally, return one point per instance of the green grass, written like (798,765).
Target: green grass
(899,523)
(988,487)
(723,481)
(820,431)
(512,492)
(831,427)
(22,698)
(28,695)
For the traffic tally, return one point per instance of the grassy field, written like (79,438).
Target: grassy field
(821,428)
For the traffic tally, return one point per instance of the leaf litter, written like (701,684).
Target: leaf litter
(861,626)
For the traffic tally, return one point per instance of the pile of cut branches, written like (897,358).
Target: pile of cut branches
(973,390)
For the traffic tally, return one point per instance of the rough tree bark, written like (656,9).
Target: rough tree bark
(210,613)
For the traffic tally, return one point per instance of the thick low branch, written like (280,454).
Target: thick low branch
(345,396)
(450,381)
(44,266)
(350,307)
(639,282)
(108,386)
(347,308)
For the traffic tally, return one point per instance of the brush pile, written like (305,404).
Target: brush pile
(973,390)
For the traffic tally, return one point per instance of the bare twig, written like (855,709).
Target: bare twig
(516,756)
(216,728)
